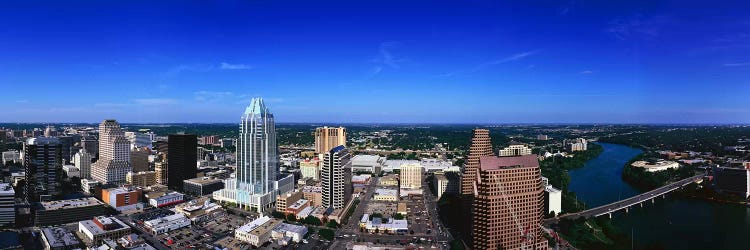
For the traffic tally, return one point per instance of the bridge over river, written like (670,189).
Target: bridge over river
(608,209)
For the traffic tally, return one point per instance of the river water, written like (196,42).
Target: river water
(670,223)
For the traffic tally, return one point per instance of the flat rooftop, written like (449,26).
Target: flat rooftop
(203,180)
(72,203)
(494,162)
(96,230)
(59,237)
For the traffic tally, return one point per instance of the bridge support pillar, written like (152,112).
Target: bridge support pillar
(652,201)
(626,209)
(641,204)
(610,215)
(663,196)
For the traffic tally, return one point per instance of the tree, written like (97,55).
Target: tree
(312,220)
(278,215)
(326,233)
(398,216)
(332,224)
(291,217)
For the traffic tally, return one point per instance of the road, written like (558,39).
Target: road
(624,204)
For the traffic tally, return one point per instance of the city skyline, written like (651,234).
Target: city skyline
(478,62)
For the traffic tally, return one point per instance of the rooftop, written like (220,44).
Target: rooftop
(72,203)
(59,237)
(284,227)
(6,189)
(297,204)
(165,219)
(366,159)
(494,162)
(203,180)
(391,192)
(96,230)
(254,224)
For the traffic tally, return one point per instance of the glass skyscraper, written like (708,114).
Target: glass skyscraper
(255,184)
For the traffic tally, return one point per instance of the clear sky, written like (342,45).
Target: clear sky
(376,61)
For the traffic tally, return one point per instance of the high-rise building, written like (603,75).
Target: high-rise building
(114,155)
(209,140)
(481,145)
(509,204)
(160,167)
(67,143)
(181,159)
(141,179)
(333,177)
(327,138)
(256,183)
(515,150)
(42,160)
(91,145)
(7,205)
(411,176)
(139,159)
(578,144)
(310,168)
(82,160)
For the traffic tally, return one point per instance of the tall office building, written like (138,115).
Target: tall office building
(411,176)
(7,205)
(42,160)
(256,183)
(509,204)
(91,145)
(327,138)
(181,159)
(139,159)
(334,178)
(82,160)
(114,154)
(481,145)
(160,167)
(67,143)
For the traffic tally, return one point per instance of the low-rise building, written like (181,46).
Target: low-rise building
(59,238)
(385,195)
(732,180)
(288,198)
(297,206)
(294,232)
(122,198)
(368,163)
(167,223)
(656,166)
(202,185)
(314,194)
(67,211)
(257,231)
(71,171)
(141,179)
(89,186)
(388,181)
(102,227)
(200,210)
(159,199)
(361,179)
(391,226)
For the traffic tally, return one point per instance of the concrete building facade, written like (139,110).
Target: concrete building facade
(327,138)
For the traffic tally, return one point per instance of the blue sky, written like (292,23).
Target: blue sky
(376,61)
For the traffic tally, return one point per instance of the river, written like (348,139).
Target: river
(671,223)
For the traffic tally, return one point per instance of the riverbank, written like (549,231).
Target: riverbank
(556,169)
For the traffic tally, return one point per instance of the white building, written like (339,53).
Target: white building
(411,176)
(256,183)
(59,238)
(167,223)
(114,154)
(578,144)
(257,231)
(656,167)
(7,205)
(368,163)
(11,156)
(71,171)
(102,227)
(88,185)
(310,168)
(82,160)
(166,199)
(333,177)
(515,150)
(553,198)
(294,232)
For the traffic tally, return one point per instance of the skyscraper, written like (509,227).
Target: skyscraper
(91,145)
(256,183)
(181,159)
(334,177)
(114,154)
(509,204)
(481,145)
(82,160)
(327,138)
(42,161)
